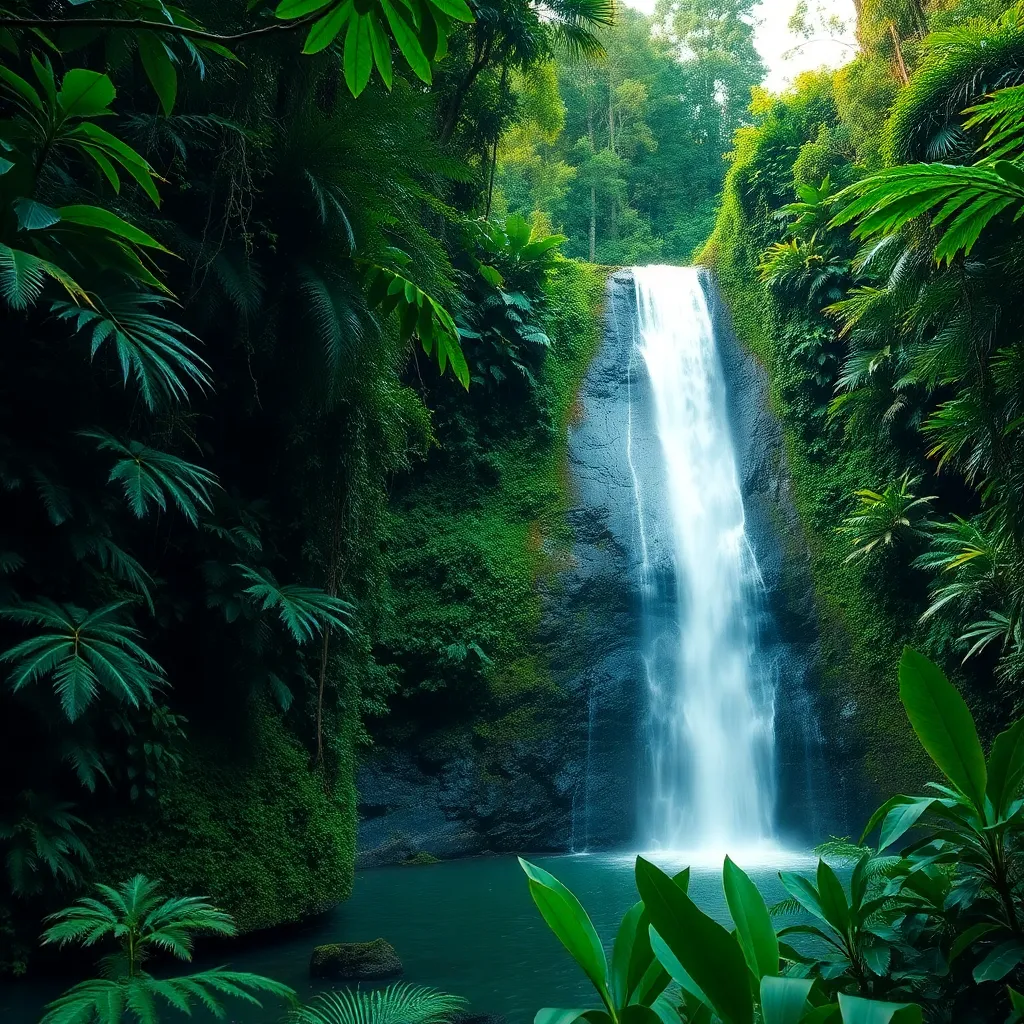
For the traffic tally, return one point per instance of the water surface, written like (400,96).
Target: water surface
(468,927)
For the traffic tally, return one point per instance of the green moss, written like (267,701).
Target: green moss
(421,859)
(248,824)
(472,554)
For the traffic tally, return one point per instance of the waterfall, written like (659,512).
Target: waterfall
(710,736)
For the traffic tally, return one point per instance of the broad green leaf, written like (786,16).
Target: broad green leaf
(1000,961)
(901,819)
(18,85)
(821,1014)
(326,29)
(636,1014)
(803,891)
(551,1015)
(943,724)
(1010,172)
(457,9)
(95,217)
(358,59)
(289,9)
(159,68)
(631,955)
(381,49)
(1006,767)
(881,813)
(1016,1006)
(407,41)
(675,970)
(968,937)
(784,1000)
(754,927)
(85,93)
(572,927)
(856,1010)
(833,898)
(707,952)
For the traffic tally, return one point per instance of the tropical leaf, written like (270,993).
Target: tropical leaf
(152,479)
(401,1003)
(305,611)
(149,348)
(81,652)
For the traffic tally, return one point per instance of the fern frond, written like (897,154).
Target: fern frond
(397,1004)
(305,611)
(150,348)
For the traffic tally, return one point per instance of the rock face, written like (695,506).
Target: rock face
(355,961)
(578,788)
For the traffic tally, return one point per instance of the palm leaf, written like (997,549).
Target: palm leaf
(305,611)
(397,1004)
(148,347)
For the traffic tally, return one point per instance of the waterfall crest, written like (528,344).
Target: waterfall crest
(711,777)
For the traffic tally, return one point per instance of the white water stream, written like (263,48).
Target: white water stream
(711,724)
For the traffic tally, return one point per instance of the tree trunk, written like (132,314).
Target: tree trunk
(900,65)
(593,223)
(611,119)
(593,188)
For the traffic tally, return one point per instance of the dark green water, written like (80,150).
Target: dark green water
(468,927)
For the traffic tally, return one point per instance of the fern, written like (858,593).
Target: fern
(140,919)
(82,652)
(150,348)
(152,478)
(305,611)
(43,838)
(397,1004)
(884,520)
(961,202)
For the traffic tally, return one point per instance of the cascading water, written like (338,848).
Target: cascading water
(711,722)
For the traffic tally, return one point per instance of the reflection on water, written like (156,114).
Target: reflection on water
(467,926)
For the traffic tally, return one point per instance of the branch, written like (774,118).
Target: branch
(158,26)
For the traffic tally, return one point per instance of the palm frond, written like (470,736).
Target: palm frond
(151,478)
(401,1003)
(305,611)
(960,201)
(81,652)
(150,348)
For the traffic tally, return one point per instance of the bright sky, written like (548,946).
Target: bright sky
(775,41)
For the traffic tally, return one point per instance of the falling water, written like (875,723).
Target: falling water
(711,726)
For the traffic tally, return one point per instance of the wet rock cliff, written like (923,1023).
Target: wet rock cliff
(575,786)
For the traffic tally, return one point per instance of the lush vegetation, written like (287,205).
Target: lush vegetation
(627,155)
(925,933)
(227,341)
(877,205)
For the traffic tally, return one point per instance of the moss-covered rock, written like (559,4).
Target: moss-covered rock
(248,823)
(421,859)
(356,961)
(468,758)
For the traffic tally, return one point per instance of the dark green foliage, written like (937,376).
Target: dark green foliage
(472,537)
(196,524)
(142,922)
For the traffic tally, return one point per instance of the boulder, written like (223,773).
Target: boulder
(355,961)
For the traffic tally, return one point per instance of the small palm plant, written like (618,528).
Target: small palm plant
(396,1004)
(142,920)
(883,521)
